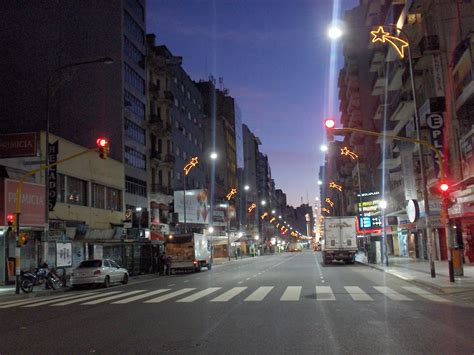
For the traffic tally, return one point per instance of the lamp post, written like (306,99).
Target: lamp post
(384,245)
(49,93)
(187,168)
(384,37)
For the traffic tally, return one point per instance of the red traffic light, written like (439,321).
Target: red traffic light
(330,123)
(10,217)
(102,142)
(444,187)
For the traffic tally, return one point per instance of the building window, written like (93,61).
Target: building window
(135,158)
(133,28)
(137,9)
(190,137)
(135,186)
(135,132)
(134,105)
(133,53)
(176,102)
(189,115)
(114,199)
(61,188)
(76,191)
(178,152)
(98,196)
(134,79)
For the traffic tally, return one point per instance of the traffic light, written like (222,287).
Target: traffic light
(103,147)
(329,124)
(22,239)
(11,221)
(444,187)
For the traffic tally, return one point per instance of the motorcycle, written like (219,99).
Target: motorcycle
(39,277)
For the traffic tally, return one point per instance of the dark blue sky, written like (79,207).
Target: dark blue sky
(274,58)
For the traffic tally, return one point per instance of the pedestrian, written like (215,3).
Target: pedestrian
(168,262)
(236,254)
(162,263)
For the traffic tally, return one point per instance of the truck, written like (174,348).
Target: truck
(339,239)
(189,252)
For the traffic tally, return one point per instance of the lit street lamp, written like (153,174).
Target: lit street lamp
(213,156)
(246,187)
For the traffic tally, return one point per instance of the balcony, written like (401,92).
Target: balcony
(160,189)
(464,90)
(429,44)
(396,76)
(379,86)
(155,155)
(377,60)
(404,108)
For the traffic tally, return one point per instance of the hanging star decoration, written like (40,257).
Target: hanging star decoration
(264,215)
(333,185)
(251,207)
(194,161)
(324,209)
(278,225)
(328,200)
(271,221)
(347,151)
(231,193)
(396,42)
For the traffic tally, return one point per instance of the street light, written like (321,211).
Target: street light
(246,187)
(273,211)
(334,32)
(320,182)
(213,156)
(210,229)
(263,202)
(324,148)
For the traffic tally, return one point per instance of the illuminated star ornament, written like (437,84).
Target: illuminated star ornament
(324,209)
(397,43)
(347,151)
(264,215)
(328,200)
(231,193)
(194,161)
(251,207)
(333,185)
(271,221)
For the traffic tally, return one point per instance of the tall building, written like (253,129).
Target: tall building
(83,101)
(176,129)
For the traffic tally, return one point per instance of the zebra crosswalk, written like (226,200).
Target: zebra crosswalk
(289,294)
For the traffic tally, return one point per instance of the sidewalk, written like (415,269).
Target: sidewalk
(418,271)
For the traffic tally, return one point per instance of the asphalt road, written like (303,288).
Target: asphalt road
(279,304)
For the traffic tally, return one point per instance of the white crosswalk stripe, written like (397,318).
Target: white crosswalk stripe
(55,300)
(392,294)
(289,294)
(199,295)
(425,294)
(142,296)
(292,293)
(227,296)
(15,303)
(79,300)
(169,295)
(113,297)
(324,293)
(357,294)
(259,294)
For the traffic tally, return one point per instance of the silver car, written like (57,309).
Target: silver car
(98,271)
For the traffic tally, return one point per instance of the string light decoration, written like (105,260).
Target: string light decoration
(397,43)
(194,162)
(346,151)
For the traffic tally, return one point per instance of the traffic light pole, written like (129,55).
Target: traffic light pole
(19,188)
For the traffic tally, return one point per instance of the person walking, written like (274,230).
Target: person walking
(168,262)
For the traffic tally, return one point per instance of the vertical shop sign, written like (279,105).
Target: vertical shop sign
(408,169)
(435,123)
(53,174)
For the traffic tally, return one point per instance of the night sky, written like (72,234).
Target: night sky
(274,58)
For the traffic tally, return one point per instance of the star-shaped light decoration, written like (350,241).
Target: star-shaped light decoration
(346,151)
(329,201)
(333,185)
(231,193)
(194,161)
(264,215)
(251,207)
(397,43)
(271,221)
(324,209)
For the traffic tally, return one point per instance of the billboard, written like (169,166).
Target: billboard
(370,213)
(18,145)
(197,207)
(32,203)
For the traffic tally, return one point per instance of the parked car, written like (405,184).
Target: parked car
(99,271)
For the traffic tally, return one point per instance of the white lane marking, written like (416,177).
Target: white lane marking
(199,294)
(171,285)
(56,300)
(226,296)
(239,282)
(393,295)
(110,298)
(425,294)
(292,293)
(32,300)
(78,300)
(139,297)
(259,294)
(324,293)
(357,294)
(323,281)
(169,295)
(185,281)
(248,278)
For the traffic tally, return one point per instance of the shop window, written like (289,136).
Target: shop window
(76,190)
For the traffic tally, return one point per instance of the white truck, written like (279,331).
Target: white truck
(189,252)
(339,240)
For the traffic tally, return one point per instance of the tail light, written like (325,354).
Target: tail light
(97,272)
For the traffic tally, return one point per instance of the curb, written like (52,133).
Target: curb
(445,290)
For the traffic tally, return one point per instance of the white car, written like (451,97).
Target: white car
(98,271)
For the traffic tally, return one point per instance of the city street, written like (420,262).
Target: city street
(284,303)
